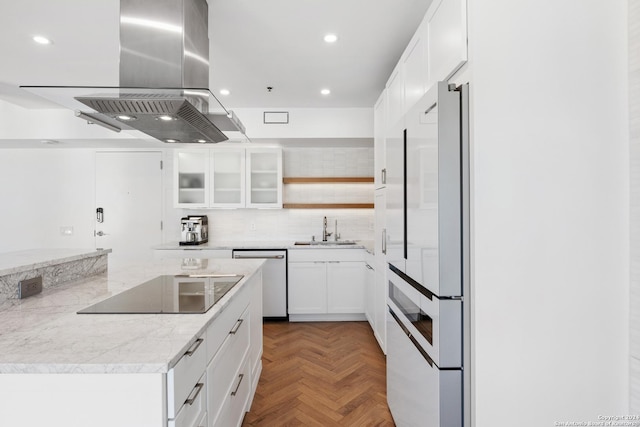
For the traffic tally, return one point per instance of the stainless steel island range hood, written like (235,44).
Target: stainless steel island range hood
(164,75)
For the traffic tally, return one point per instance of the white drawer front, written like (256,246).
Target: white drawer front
(235,404)
(193,412)
(182,378)
(226,364)
(218,331)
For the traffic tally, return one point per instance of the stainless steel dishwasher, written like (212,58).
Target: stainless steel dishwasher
(274,280)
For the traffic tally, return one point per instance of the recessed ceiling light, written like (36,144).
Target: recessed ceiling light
(325,91)
(165,118)
(224,92)
(201,141)
(172,140)
(330,38)
(41,40)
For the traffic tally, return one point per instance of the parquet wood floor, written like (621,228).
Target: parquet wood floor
(320,374)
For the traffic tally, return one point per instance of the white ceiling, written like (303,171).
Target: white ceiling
(253,44)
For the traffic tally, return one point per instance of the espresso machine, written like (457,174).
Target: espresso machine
(194,230)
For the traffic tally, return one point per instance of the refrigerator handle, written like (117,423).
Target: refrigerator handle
(384,241)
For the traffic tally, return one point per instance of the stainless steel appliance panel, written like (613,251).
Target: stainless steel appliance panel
(436,324)
(434,200)
(395,200)
(274,280)
(419,394)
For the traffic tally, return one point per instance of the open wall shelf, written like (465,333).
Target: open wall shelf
(328,180)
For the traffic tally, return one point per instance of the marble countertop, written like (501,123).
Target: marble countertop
(17,262)
(279,244)
(43,333)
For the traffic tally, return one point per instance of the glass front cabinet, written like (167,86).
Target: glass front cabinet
(264,178)
(228,177)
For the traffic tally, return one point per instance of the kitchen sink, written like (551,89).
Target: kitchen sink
(328,243)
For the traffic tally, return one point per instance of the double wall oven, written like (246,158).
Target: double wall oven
(428,255)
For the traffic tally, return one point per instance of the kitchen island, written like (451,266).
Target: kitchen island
(60,368)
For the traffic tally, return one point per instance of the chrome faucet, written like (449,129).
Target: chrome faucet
(325,233)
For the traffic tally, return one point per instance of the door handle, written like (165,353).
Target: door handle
(384,175)
(101,233)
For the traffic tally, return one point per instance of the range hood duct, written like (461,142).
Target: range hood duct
(164,45)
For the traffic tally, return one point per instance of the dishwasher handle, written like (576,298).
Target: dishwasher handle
(235,256)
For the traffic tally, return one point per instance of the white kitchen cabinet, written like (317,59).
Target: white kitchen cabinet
(380,267)
(191,186)
(447,38)
(370,292)
(326,284)
(415,69)
(228,177)
(379,141)
(345,286)
(395,95)
(264,177)
(307,287)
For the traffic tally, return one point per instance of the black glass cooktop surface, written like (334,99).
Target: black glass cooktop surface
(168,294)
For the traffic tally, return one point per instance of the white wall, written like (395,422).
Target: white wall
(309,123)
(43,190)
(550,218)
(634,108)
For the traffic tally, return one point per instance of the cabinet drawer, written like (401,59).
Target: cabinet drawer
(235,404)
(194,410)
(182,378)
(225,366)
(302,255)
(218,331)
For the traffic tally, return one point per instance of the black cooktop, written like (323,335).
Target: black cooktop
(168,294)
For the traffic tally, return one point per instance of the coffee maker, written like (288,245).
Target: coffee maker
(194,230)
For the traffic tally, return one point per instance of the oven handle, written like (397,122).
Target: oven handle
(410,336)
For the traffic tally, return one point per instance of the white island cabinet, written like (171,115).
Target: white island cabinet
(59,368)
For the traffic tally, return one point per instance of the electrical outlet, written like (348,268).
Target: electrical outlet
(29,287)
(371,224)
(252,226)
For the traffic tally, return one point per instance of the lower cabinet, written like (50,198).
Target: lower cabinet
(212,384)
(326,284)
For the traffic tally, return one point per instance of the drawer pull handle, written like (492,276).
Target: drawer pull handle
(194,347)
(234,392)
(197,389)
(237,326)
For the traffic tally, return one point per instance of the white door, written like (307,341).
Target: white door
(129,195)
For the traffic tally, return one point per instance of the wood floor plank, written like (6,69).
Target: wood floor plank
(320,374)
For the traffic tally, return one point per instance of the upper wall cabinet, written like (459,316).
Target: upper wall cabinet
(264,177)
(379,129)
(436,51)
(228,177)
(447,35)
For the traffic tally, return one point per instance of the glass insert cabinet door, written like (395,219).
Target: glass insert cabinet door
(192,177)
(228,178)
(264,177)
